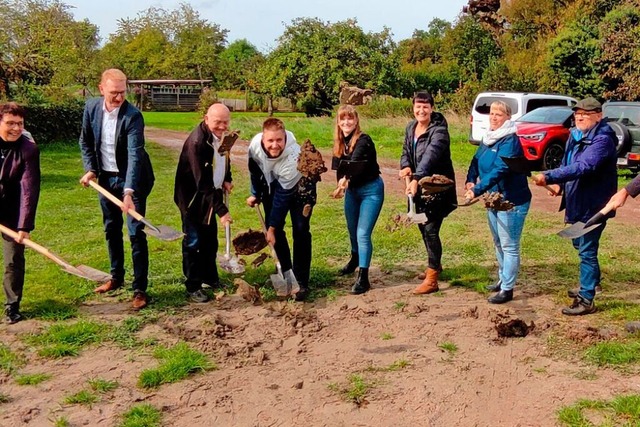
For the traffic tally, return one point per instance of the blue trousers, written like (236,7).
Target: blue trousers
(362,207)
(587,247)
(113,223)
(506,229)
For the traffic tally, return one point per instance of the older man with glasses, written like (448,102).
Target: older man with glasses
(19,193)
(586,179)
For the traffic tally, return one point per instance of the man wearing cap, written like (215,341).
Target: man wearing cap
(586,179)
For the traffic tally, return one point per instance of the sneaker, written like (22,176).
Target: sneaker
(579,307)
(573,293)
(12,315)
(140,300)
(198,296)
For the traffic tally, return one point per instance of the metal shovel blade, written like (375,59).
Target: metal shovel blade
(279,283)
(416,218)
(576,230)
(518,164)
(89,273)
(229,263)
(163,232)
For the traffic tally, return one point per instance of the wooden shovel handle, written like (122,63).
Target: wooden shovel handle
(264,230)
(114,199)
(33,245)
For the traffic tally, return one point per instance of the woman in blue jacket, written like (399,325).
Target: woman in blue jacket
(489,173)
(354,158)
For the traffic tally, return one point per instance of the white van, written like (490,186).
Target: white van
(520,103)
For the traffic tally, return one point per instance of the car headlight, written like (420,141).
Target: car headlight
(534,137)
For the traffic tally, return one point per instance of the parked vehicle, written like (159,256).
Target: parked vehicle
(624,119)
(543,134)
(520,103)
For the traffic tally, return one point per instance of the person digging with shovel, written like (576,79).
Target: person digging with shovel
(489,173)
(587,179)
(19,193)
(426,151)
(279,186)
(202,177)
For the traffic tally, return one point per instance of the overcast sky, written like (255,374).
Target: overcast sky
(262,21)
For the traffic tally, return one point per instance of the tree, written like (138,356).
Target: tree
(238,64)
(41,44)
(313,57)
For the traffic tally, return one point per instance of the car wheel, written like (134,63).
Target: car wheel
(623,137)
(552,157)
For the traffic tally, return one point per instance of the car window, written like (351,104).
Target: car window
(626,114)
(547,115)
(537,103)
(483,104)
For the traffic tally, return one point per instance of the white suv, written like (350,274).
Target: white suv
(520,103)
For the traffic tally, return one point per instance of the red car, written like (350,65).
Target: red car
(543,134)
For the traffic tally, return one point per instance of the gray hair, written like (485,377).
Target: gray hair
(501,105)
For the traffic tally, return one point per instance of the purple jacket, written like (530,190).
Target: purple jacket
(633,188)
(20,185)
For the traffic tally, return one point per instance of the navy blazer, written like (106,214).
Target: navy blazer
(133,161)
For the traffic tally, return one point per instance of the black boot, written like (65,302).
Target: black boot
(501,297)
(351,265)
(495,287)
(362,284)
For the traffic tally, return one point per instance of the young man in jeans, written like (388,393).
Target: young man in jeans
(588,178)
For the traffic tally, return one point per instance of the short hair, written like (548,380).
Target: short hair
(113,74)
(272,124)
(12,108)
(503,106)
(424,97)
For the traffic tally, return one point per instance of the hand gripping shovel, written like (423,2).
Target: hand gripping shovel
(282,286)
(83,271)
(416,218)
(227,262)
(579,229)
(161,232)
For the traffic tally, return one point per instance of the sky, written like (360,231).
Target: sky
(261,22)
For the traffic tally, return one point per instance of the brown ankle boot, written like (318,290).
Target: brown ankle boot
(429,284)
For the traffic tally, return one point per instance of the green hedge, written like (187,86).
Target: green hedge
(54,122)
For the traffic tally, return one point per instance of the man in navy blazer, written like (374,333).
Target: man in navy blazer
(112,145)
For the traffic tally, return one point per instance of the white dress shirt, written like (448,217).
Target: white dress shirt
(219,164)
(108,146)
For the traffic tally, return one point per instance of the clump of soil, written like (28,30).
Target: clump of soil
(397,222)
(249,242)
(310,163)
(247,292)
(260,259)
(435,184)
(514,328)
(496,201)
(590,334)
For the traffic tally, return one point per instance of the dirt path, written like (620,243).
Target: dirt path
(285,364)
(389,167)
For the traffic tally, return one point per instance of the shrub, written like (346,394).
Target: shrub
(55,122)
(386,106)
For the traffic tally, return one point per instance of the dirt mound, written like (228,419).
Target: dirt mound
(249,242)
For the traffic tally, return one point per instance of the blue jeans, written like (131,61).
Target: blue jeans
(362,207)
(199,250)
(113,223)
(506,229)
(587,247)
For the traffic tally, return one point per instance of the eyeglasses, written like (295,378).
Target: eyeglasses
(585,113)
(14,124)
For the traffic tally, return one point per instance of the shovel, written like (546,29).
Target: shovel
(227,262)
(83,271)
(162,232)
(278,280)
(521,165)
(416,218)
(579,229)
(469,202)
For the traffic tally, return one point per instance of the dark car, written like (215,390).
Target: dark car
(624,119)
(543,134)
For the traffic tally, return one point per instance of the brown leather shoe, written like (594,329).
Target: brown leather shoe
(429,284)
(139,300)
(109,285)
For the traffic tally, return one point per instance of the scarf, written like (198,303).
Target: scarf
(492,136)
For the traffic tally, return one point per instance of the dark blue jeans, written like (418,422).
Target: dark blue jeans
(300,231)
(112,218)
(362,207)
(587,247)
(199,249)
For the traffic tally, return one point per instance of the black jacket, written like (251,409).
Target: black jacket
(363,150)
(194,193)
